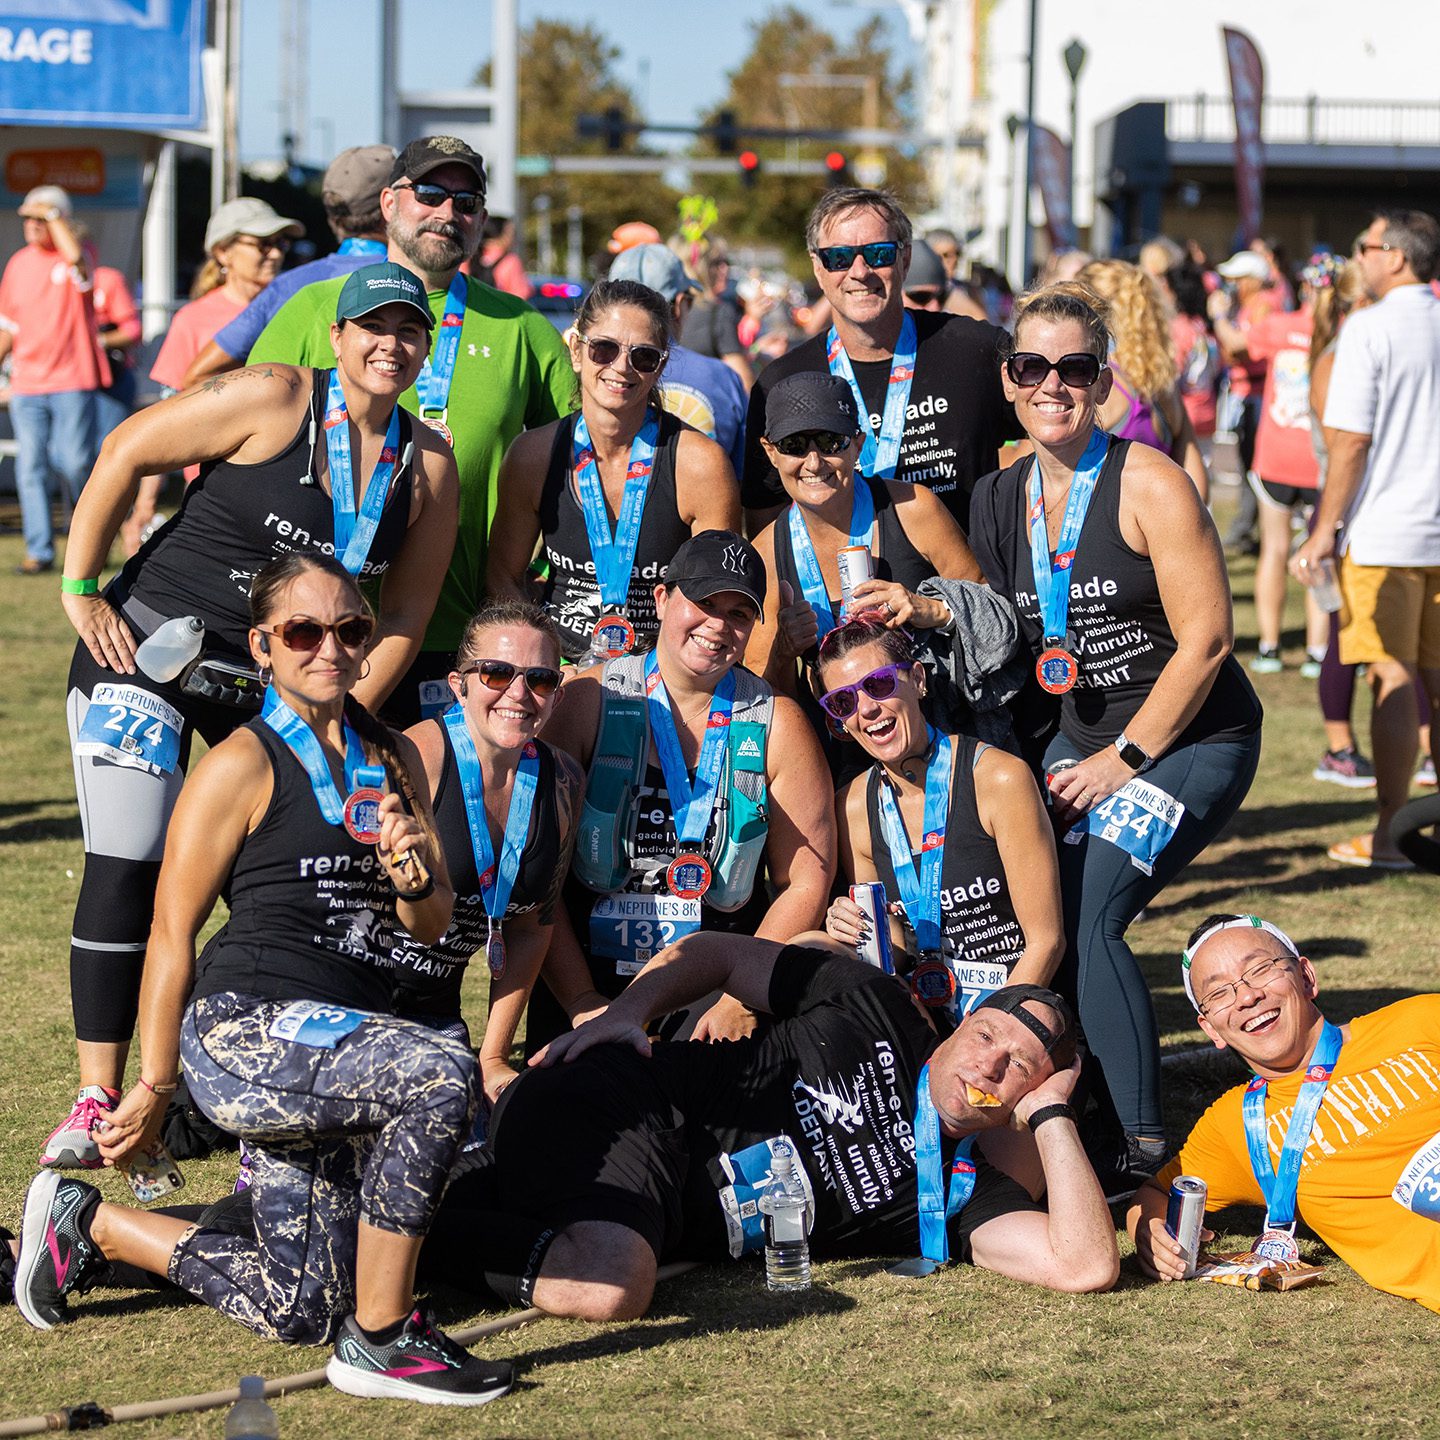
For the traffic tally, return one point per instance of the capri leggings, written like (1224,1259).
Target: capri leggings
(367,1130)
(124,811)
(1102,892)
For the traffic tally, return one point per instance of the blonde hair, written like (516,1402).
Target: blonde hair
(1332,304)
(1066,300)
(1140,323)
(210,276)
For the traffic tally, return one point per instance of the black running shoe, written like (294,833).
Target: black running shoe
(7,1267)
(422,1363)
(57,1255)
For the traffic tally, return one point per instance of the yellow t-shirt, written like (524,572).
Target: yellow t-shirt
(1381,1107)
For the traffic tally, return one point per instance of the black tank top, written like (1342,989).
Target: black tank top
(572,593)
(429,976)
(235,519)
(976,915)
(1122,636)
(312,912)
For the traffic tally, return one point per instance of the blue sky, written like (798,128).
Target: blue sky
(675,53)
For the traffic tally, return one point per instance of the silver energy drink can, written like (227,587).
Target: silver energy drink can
(1185,1215)
(1051,771)
(875,950)
(856,565)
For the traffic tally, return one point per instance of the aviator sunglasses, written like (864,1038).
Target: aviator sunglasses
(827,442)
(878,255)
(647,359)
(880,684)
(499,675)
(352,632)
(432,197)
(1080,371)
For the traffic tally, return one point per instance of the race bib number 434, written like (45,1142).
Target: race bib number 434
(1139,817)
(129,726)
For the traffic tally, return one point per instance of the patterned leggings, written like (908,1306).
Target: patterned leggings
(366,1130)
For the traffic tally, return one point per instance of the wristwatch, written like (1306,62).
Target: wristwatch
(1132,754)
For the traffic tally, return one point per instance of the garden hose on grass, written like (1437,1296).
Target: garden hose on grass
(91,1416)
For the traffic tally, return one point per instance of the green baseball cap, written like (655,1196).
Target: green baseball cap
(373,286)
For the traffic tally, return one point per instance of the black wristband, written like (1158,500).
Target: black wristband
(426,890)
(1049,1112)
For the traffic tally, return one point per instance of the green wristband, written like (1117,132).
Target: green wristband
(78,587)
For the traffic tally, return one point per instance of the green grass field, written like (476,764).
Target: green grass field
(863,1354)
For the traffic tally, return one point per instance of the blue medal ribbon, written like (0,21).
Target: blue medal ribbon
(1053,598)
(879,456)
(938,1203)
(693,807)
(307,749)
(354,533)
(812,582)
(920,894)
(496,881)
(614,556)
(357,245)
(1280,1189)
(433,386)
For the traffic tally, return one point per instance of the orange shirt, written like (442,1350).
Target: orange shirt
(1381,1108)
(49,310)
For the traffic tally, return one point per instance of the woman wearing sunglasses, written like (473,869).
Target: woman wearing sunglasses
(1115,567)
(290,458)
(975,893)
(284,1026)
(505,808)
(707,804)
(612,490)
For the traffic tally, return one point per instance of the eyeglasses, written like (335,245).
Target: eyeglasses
(270,242)
(827,442)
(1365,246)
(879,684)
(499,675)
(352,632)
(432,197)
(878,255)
(1222,997)
(646,359)
(1079,371)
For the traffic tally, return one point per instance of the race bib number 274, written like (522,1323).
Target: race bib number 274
(131,727)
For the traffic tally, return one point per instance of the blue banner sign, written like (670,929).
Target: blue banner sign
(126,64)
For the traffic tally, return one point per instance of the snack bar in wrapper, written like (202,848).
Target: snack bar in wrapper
(1250,1271)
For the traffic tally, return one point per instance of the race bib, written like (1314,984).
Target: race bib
(129,726)
(629,929)
(975,979)
(435,698)
(1418,1188)
(749,1173)
(311,1022)
(1139,817)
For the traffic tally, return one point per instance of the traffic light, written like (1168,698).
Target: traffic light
(749,167)
(837,166)
(724,131)
(614,128)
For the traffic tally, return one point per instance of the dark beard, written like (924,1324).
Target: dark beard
(442,251)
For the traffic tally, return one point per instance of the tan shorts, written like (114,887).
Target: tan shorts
(1392,612)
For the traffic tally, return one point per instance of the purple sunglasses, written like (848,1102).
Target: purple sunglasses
(881,684)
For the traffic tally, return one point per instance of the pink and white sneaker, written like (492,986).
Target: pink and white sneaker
(72,1146)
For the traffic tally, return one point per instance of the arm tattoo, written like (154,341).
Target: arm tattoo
(265,372)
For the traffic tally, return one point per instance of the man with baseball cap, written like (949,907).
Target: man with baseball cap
(496,367)
(350,193)
(1339,1126)
(47,326)
(701,391)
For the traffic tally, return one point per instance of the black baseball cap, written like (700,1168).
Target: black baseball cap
(1011,999)
(372,286)
(811,400)
(420,157)
(714,561)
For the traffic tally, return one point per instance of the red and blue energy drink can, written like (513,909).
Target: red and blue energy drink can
(1185,1216)
(875,950)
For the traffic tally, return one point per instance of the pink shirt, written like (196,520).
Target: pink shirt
(114,305)
(509,272)
(1283,453)
(193,327)
(51,314)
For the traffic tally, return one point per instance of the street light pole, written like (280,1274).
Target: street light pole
(1074,56)
(1027,239)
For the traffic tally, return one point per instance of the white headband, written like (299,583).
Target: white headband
(1241,922)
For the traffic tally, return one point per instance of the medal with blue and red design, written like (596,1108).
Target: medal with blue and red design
(362,805)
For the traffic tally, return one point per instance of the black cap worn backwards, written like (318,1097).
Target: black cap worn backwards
(717,560)
(1011,999)
(373,286)
(811,400)
(420,157)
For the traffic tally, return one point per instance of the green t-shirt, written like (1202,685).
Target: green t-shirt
(512,374)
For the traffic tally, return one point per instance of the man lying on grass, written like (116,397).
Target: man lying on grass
(1339,1123)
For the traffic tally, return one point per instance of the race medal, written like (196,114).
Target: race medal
(612,637)
(1278,1244)
(933,983)
(495,951)
(688,876)
(1057,670)
(362,814)
(438,425)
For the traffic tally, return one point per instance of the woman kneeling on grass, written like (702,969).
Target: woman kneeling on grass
(352,1116)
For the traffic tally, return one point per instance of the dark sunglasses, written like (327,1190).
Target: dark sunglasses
(432,197)
(827,442)
(879,684)
(878,255)
(923,298)
(499,675)
(646,359)
(352,632)
(1079,371)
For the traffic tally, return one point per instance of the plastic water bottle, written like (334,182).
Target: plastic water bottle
(1326,589)
(250,1418)
(787,1250)
(171,648)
